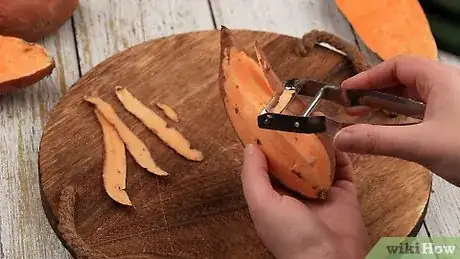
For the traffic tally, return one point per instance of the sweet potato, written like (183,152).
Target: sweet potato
(135,146)
(304,163)
(34,19)
(114,171)
(157,125)
(22,63)
(391,27)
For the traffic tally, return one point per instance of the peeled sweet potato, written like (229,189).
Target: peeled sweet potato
(304,163)
(391,27)
(22,63)
(33,19)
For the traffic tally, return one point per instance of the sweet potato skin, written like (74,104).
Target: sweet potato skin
(304,163)
(34,19)
(16,52)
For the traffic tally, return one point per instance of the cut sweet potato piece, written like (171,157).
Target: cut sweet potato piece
(391,27)
(168,111)
(114,171)
(22,64)
(304,163)
(134,145)
(157,125)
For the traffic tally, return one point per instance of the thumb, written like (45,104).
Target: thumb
(405,142)
(257,187)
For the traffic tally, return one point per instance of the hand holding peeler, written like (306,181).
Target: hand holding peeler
(272,118)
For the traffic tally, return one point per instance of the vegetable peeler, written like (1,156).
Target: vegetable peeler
(271,116)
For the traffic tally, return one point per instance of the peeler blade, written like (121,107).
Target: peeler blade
(296,124)
(289,123)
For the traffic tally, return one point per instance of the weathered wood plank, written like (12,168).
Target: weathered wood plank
(290,17)
(443,217)
(24,229)
(162,18)
(106,27)
(423,231)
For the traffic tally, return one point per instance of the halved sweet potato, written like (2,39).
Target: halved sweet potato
(391,27)
(304,163)
(22,63)
(33,19)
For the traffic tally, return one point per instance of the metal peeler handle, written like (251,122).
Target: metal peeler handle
(356,97)
(305,123)
(387,102)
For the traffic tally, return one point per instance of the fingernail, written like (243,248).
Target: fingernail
(342,139)
(249,150)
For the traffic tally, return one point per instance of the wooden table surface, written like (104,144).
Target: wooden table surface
(101,28)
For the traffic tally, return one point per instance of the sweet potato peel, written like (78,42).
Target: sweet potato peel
(134,145)
(272,79)
(168,111)
(114,171)
(157,125)
(22,63)
(283,101)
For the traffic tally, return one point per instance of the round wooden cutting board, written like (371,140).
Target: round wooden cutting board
(198,211)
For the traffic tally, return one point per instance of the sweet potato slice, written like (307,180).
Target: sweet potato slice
(168,111)
(22,63)
(134,145)
(304,163)
(114,171)
(157,125)
(391,27)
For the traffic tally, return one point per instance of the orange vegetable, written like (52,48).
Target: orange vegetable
(22,64)
(34,19)
(304,163)
(157,125)
(391,27)
(114,171)
(135,146)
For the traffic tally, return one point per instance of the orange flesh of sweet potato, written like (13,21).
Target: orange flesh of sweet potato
(168,111)
(157,125)
(114,171)
(22,63)
(302,162)
(134,145)
(33,19)
(391,27)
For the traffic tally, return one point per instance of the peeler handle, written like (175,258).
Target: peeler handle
(388,102)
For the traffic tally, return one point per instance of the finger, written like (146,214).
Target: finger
(344,168)
(411,72)
(405,142)
(257,188)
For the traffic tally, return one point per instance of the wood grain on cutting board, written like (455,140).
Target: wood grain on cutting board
(198,210)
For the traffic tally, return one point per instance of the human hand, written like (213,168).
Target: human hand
(435,142)
(291,228)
